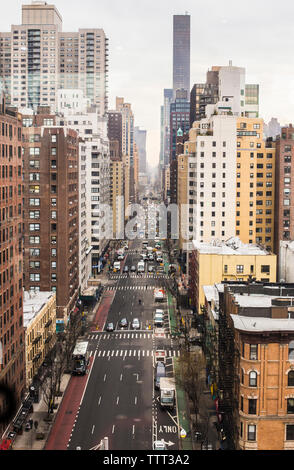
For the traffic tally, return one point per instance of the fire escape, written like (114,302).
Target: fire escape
(229,381)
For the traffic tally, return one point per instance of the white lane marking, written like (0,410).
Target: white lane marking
(103,353)
(88,378)
(135,400)
(117,400)
(99,401)
(112,354)
(93,428)
(113,428)
(121,377)
(133,429)
(99,354)
(117,353)
(104,378)
(135,352)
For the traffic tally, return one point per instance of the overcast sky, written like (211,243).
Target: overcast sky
(256,34)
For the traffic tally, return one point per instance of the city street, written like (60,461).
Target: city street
(119,400)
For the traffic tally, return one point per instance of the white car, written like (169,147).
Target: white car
(159,445)
(135,324)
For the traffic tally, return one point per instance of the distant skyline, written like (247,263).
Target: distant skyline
(258,37)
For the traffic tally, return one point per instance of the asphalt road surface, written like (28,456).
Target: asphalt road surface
(119,400)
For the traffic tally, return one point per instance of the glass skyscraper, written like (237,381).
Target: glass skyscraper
(181,53)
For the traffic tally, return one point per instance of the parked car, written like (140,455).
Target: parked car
(123,323)
(135,324)
(110,326)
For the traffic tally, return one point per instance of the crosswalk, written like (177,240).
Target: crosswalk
(115,288)
(137,276)
(128,335)
(138,353)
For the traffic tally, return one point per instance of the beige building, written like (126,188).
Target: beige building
(37,58)
(39,312)
(116,196)
(127,148)
(233,260)
(255,184)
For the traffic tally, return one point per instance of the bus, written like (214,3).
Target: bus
(80,358)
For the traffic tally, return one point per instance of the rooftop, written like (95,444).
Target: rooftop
(33,304)
(233,246)
(259,324)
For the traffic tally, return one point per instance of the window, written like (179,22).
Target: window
(290,406)
(291,351)
(252,379)
(239,268)
(252,402)
(253,352)
(251,435)
(34,277)
(289,432)
(35,151)
(265,268)
(291,378)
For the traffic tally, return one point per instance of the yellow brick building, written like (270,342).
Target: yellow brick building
(39,312)
(117,191)
(229,261)
(255,184)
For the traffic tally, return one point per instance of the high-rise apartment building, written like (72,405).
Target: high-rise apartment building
(51,209)
(284,205)
(114,129)
(94,185)
(12,341)
(224,83)
(127,148)
(179,119)
(181,53)
(140,136)
(165,127)
(37,59)
(255,184)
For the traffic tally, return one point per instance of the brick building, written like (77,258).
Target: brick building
(255,377)
(51,209)
(12,353)
(284,203)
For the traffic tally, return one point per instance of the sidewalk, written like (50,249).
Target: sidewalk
(182,404)
(27,440)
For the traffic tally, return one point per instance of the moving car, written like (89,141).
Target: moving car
(151,269)
(109,326)
(126,269)
(135,324)
(133,269)
(120,257)
(123,323)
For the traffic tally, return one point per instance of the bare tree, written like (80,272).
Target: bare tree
(49,388)
(190,377)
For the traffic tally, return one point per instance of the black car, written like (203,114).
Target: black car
(110,326)
(123,323)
